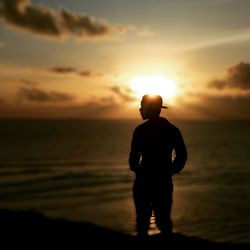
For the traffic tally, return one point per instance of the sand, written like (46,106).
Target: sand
(33,230)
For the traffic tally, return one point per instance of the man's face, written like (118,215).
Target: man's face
(144,111)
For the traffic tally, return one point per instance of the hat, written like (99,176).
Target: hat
(153,100)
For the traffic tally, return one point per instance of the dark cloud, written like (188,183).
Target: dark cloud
(95,108)
(35,94)
(237,77)
(28,82)
(102,107)
(87,26)
(213,107)
(124,93)
(44,21)
(68,69)
(86,73)
(227,107)
(62,69)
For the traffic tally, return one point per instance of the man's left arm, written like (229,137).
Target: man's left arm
(180,153)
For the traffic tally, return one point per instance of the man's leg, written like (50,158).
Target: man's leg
(162,206)
(143,209)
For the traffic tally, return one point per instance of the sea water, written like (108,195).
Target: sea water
(78,170)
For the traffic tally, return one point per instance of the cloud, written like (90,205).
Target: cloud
(35,94)
(141,31)
(95,108)
(243,36)
(62,69)
(100,105)
(124,93)
(68,69)
(237,77)
(28,82)
(225,107)
(47,23)
(208,106)
(89,73)
(86,73)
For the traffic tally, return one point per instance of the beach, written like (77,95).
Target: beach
(32,230)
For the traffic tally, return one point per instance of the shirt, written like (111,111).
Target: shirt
(157,148)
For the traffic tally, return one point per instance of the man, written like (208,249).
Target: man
(154,144)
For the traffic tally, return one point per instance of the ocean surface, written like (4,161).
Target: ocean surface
(78,169)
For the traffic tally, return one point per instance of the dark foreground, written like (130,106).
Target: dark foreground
(31,230)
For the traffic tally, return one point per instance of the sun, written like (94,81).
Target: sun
(154,85)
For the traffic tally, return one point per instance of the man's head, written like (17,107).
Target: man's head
(151,106)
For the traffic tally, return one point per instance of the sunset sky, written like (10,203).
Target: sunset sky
(95,58)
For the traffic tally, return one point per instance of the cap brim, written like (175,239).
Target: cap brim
(164,107)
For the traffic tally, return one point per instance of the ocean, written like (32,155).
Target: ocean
(78,170)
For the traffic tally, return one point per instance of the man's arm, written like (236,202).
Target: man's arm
(134,156)
(180,153)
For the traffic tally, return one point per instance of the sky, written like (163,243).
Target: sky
(96,58)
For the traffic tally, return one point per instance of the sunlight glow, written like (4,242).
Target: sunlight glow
(153,85)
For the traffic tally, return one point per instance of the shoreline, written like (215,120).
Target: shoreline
(30,229)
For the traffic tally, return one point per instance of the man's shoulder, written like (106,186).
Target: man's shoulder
(171,126)
(141,126)
(166,122)
(162,120)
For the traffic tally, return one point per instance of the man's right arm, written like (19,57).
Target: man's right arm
(134,156)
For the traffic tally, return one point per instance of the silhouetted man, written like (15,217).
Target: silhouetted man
(154,144)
